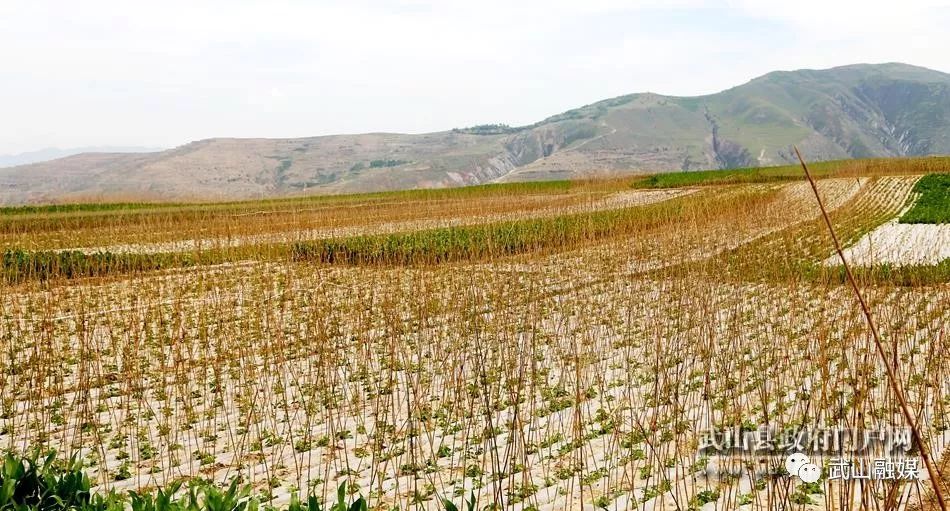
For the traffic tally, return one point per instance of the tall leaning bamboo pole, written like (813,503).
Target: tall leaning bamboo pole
(895,385)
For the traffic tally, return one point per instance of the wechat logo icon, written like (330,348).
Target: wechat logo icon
(797,464)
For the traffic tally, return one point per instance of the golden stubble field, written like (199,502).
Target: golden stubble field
(557,378)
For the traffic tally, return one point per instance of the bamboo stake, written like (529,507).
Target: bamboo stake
(895,385)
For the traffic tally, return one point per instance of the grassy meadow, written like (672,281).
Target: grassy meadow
(535,346)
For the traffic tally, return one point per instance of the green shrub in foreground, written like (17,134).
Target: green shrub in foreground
(38,482)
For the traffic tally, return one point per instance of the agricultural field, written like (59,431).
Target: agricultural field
(919,235)
(548,345)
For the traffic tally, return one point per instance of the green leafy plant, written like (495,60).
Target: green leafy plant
(933,203)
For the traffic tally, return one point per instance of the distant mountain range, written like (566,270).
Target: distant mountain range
(52,153)
(852,111)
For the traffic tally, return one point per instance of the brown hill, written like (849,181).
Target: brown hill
(851,111)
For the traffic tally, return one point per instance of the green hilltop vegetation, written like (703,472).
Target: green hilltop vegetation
(489,129)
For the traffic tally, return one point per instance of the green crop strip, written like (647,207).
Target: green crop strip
(933,204)
(452,244)
(431,246)
(836,168)
(720,177)
(21,265)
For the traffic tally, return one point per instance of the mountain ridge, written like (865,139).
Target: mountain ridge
(55,153)
(854,111)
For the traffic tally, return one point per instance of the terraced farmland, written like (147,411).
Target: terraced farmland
(546,346)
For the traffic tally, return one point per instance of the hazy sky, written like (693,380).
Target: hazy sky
(129,72)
